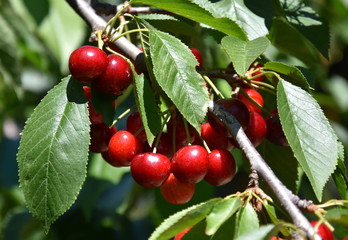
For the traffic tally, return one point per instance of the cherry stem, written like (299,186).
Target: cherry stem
(129,32)
(158,137)
(113,20)
(212,85)
(122,115)
(187,131)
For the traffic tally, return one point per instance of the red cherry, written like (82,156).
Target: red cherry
(150,169)
(123,146)
(323,231)
(180,133)
(257,128)
(256,66)
(190,164)
(222,167)
(165,145)
(255,95)
(87,63)
(134,124)
(177,192)
(116,77)
(236,108)
(182,233)
(213,138)
(275,132)
(100,136)
(198,56)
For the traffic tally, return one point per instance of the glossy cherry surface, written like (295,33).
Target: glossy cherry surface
(150,169)
(212,137)
(257,128)
(190,164)
(323,231)
(177,192)
(253,94)
(198,56)
(87,63)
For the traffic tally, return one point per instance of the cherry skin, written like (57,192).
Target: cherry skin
(190,164)
(181,139)
(87,63)
(123,146)
(116,77)
(212,137)
(275,132)
(255,66)
(236,108)
(255,95)
(257,128)
(323,231)
(222,167)
(94,116)
(100,136)
(134,124)
(165,145)
(150,170)
(180,235)
(198,56)
(177,192)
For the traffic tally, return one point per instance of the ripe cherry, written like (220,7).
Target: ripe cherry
(123,146)
(222,167)
(257,128)
(198,56)
(177,192)
(100,135)
(190,164)
(134,124)
(180,133)
(212,137)
(94,116)
(87,63)
(150,169)
(236,108)
(182,233)
(323,231)
(116,77)
(255,66)
(275,132)
(255,95)
(165,145)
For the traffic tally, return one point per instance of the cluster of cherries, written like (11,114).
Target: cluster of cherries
(179,159)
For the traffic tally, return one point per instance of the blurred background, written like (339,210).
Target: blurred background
(36,40)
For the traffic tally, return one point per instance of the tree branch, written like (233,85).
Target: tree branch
(86,11)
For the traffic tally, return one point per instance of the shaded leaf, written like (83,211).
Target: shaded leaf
(194,12)
(289,73)
(338,215)
(237,11)
(196,232)
(222,211)
(182,220)
(259,233)
(340,174)
(309,134)
(243,53)
(53,155)
(247,220)
(174,69)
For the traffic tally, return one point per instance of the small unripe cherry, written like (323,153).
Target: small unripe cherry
(150,169)
(257,128)
(190,164)
(236,108)
(116,77)
(198,56)
(134,124)
(87,63)
(177,192)
(212,137)
(323,231)
(275,132)
(100,136)
(123,146)
(253,94)
(222,167)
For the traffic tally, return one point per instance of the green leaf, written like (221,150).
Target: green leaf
(243,53)
(286,37)
(147,107)
(289,73)
(196,232)
(247,220)
(182,220)
(174,69)
(237,11)
(53,155)
(309,134)
(338,215)
(222,211)
(259,233)
(274,218)
(194,12)
(340,174)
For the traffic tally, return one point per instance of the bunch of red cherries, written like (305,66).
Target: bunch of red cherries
(179,159)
